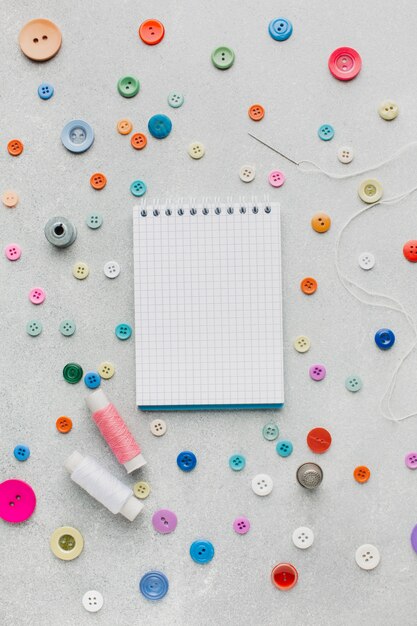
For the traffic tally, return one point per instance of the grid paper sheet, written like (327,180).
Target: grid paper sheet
(208,305)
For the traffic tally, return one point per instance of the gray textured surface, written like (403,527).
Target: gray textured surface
(291,80)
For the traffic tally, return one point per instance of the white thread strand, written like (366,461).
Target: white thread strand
(101,485)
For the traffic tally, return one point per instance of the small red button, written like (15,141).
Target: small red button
(410,250)
(319,440)
(151,32)
(284,576)
(345,63)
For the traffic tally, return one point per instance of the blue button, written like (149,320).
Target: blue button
(326,132)
(154,585)
(186,461)
(237,462)
(202,551)
(77,136)
(284,448)
(280,29)
(45,91)
(159,126)
(92,380)
(123,331)
(384,338)
(138,188)
(21,453)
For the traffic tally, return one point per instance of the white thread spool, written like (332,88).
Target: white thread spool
(103,486)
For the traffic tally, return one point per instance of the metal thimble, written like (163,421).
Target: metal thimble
(309,475)
(60,232)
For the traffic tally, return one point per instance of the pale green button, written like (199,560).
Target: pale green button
(128,86)
(353,383)
(67,328)
(94,220)
(33,328)
(223,58)
(270,431)
(175,99)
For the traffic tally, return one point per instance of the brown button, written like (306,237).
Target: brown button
(320,222)
(40,39)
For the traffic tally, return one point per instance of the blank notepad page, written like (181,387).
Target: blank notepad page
(208,306)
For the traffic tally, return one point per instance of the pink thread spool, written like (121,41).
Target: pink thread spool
(115,432)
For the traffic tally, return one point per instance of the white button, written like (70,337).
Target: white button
(388,110)
(112,269)
(80,271)
(247,173)
(196,150)
(367,556)
(92,601)
(158,428)
(262,484)
(302,343)
(345,154)
(366,260)
(303,537)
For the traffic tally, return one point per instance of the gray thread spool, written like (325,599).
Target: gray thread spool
(309,475)
(60,232)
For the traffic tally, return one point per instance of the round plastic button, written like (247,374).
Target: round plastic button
(15,147)
(72,373)
(124,126)
(80,271)
(128,86)
(17,501)
(361,474)
(317,372)
(370,191)
(123,331)
(280,29)
(141,490)
(159,126)
(151,32)
(67,328)
(411,460)
(98,181)
(10,199)
(45,91)
(138,188)
(345,63)
(21,453)
(247,173)
(410,250)
(284,576)
(326,132)
(308,285)
(303,537)
(319,440)
(256,112)
(320,222)
(66,543)
(37,295)
(302,343)
(196,150)
(92,601)
(345,154)
(158,427)
(154,585)
(367,556)
(284,448)
(366,260)
(40,39)
(202,551)
(413,538)
(77,136)
(138,141)
(223,58)
(186,461)
(13,252)
(241,525)
(164,521)
(262,484)
(94,220)
(237,462)
(276,178)
(92,380)
(106,370)
(112,269)
(353,383)
(175,99)
(34,328)
(388,110)
(384,338)
(63,424)
(270,431)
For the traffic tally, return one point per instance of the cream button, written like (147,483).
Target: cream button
(80,271)
(158,427)
(302,343)
(66,543)
(370,190)
(345,154)
(141,490)
(196,150)
(388,110)
(106,369)
(247,173)
(367,556)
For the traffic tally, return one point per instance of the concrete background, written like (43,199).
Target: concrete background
(291,80)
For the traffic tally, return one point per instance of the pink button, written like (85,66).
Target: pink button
(276,178)
(17,501)
(411,460)
(13,252)
(241,525)
(164,521)
(345,63)
(317,372)
(37,295)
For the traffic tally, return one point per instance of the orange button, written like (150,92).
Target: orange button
(320,222)
(308,285)
(151,32)
(10,199)
(124,127)
(40,39)
(319,440)
(256,112)
(361,474)
(138,141)
(15,147)
(64,424)
(98,181)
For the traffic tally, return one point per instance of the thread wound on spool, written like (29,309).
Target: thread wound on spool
(116,433)
(101,485)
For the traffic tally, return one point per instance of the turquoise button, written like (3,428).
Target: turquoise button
(223,58)
(138,188)
(33,328)
(128,86)
(175,99)
(94,220)
(284,448)
(202,551)
(237,462)
(270,431)
(67,328)
(21,453)
(326,132)
(353,383)
(159,126)
(123,331)
(280,29)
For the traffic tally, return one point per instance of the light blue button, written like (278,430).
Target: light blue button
(45,91)
(94,220)
(326,132)
(77,136)
(123,331)
(92,380)
(280,29)
(284,448)
(154,585)
(175,99)
(237,462)
(202,551)
(21,453)
(160,126)
(138,188)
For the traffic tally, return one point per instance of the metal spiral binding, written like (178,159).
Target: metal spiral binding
(205,207)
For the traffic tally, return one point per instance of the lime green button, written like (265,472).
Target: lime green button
(72,373)
(128,86)
(223,58)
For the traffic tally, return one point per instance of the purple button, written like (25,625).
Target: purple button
(317,371)
(241,525)
(164,521)
(411,460)
(414,538)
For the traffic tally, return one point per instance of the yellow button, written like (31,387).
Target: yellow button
(302,343)
(80,271)
(66,543)
(370,191)
(320,222)
(106,369)
(10,199)
(141,490)
(388,110)
(196,150)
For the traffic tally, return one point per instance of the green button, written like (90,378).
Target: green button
(128,86)
(94,220)
(353,383)
(33,328)
(223,58)
(270,431)
(73,373)
(67,328)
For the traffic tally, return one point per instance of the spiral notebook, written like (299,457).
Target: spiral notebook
(208,306)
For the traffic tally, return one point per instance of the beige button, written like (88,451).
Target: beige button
(66,543)
(141,490)
(388,110)
(80,271)
(370,191)
(345,154)
(40,39)
(158,428)
(247,173)
(106,369)
(10,199)
(302,343)
(196,150)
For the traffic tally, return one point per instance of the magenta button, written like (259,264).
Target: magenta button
(164,521)
(411,460)
(241,525)
(317,372)
(17,501)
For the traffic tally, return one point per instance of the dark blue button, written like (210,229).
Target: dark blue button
(186,461)
(284,448)
(92,380)
(202,551)
(384,338)
(280,29)
(77,136)
(123,331)
(160,126)
(154,585)
(45,91)
(21,453)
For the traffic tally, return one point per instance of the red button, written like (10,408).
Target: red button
(319,440)
(410,250)
(284,576)
(345,63)
(151,32)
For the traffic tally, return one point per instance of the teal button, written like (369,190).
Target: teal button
(94,220)
(223,58)
(175,99)
(353,383)
(138,188)
(237,462)
(326,132)
(128,86)
(123,331)
(270,432)
(284,448)
(67,328)
(33,328)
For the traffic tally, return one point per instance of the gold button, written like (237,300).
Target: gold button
(66,543)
